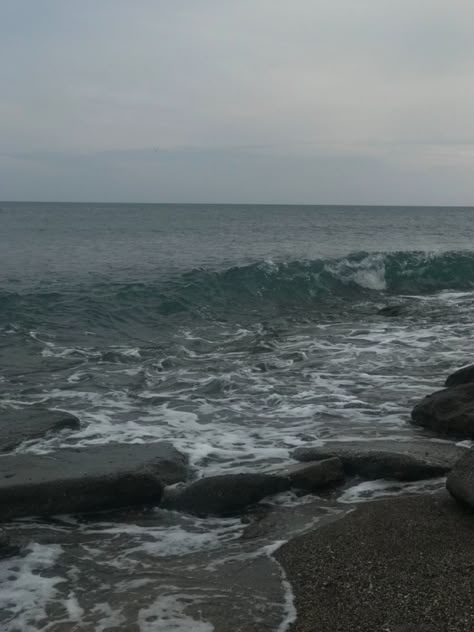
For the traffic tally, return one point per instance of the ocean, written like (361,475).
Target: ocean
(237,332)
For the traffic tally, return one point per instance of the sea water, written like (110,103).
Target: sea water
(237,333)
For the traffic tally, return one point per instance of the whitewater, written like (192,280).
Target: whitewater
(237,333)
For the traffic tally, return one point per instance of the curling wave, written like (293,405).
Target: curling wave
(259,287)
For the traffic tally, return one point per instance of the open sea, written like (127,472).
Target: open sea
(238,333)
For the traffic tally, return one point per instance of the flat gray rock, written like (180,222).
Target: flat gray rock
(449,411)
(315,474)
(87,479)
(225,495)
(461,376)
(460,482)
(403,461)
(17,426)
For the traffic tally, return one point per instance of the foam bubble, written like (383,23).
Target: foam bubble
(173,539)
(26,588)
(107,618)
(369,272)
(168,613)
(381,488)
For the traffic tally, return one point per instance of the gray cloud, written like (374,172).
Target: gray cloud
(262,100)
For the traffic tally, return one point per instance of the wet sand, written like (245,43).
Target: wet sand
(387,564)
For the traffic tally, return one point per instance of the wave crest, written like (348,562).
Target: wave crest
(261,288)
(296,283)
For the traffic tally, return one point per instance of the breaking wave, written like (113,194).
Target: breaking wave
(259,287)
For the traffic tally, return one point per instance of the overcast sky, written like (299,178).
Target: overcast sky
(272,101)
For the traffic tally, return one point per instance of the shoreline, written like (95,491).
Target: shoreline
(392,562)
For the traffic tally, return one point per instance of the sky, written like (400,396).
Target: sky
(248,101)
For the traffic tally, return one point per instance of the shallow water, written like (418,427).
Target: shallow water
(237,333)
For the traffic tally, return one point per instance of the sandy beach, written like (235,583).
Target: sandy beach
(394,565)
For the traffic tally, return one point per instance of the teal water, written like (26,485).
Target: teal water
(78,264)
(237,333)
(51,242)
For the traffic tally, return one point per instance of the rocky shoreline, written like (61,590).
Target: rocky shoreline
(397,565)
(118,475)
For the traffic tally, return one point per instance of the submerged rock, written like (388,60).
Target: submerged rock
(314,475)
(392,310)
(87,479)
(402,461)
(461,376)
(449,411)
(32,423)
(226,494)
(7,547)
(460,482)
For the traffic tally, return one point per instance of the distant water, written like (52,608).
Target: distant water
(236,332)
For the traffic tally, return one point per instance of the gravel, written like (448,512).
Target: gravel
(401,562)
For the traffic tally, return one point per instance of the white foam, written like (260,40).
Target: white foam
(289,608)
(111,618)
(369,272)
(467,443)
(347,382)
(167,614)
(176,540)
(381,488)
(26,591)
(73,608)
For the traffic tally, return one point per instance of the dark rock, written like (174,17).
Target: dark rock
(461,376)
(449,411)
(87,479)
(391,310)
(403,461)
(460,482)
(31,423)
(227,494)
(314,475)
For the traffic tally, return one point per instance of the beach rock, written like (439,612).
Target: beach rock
(449,411)
(402,461)
(461,376)
(226,494)
(460,482)
(87,479)
(32,423)
(314,475)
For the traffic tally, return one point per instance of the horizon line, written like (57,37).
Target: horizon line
(311,204)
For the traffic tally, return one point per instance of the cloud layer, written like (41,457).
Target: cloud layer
(314,101)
